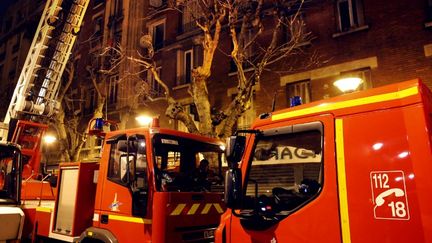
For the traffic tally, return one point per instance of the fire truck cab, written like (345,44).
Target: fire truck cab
(351,168)
(147,187)
(12,217)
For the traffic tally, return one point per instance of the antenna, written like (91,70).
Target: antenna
(274,101)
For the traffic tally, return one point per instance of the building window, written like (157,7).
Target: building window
(350,14)
(91,101)
(113,89)
(364,74)
(188,66)
(429,14)
(156,90)
(98,25)
(157,32)
(300,88)
(16,46)
(185,65)
(96,39)
(247,44)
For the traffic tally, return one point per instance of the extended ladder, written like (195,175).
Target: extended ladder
(38,84)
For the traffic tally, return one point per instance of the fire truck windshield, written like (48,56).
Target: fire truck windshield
(285,171)
(186,165)
(9,174)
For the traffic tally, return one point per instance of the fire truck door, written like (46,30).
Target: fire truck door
(291,185)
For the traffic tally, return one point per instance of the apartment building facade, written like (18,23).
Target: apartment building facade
(381,42)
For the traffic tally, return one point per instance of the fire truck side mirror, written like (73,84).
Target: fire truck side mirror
(235,149)
(233,188)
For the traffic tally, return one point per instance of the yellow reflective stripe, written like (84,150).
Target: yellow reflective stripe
(42,209)
(129,219)
(206,209)
(343,197)
(218,207)
(193,209)
(178,209)
(348,103)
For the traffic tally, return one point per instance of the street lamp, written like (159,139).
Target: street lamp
(49,139)
(144,120)
(348,84)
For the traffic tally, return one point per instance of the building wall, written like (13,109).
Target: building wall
(392,43)
(394,36)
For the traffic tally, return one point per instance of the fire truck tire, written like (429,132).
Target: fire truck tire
(96,235)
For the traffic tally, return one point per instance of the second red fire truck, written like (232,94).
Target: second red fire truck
(354,168)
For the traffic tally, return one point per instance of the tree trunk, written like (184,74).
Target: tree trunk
(82,138)
(202,103)
(62,133)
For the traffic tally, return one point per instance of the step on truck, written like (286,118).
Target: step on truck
(354,168)
(147,187)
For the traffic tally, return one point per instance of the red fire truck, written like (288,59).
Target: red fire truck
(351,168)
(149,186)
(33,103)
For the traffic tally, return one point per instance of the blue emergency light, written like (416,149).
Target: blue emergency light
(295,101)
(99,123)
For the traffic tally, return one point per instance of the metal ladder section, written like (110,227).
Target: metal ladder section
(38,57)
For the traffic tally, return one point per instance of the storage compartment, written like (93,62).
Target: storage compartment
(75,198)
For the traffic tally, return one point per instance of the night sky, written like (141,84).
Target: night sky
(4,4)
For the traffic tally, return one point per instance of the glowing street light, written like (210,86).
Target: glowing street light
(144,120)
(49,139)
(348,84)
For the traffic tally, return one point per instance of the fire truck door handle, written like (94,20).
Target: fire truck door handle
(104,219)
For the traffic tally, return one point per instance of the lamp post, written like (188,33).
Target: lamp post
(48,139)
(348,84)
(144,120)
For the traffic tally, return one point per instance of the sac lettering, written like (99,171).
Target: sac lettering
(286,154)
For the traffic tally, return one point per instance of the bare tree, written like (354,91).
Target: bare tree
(72,135)
(248,23)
